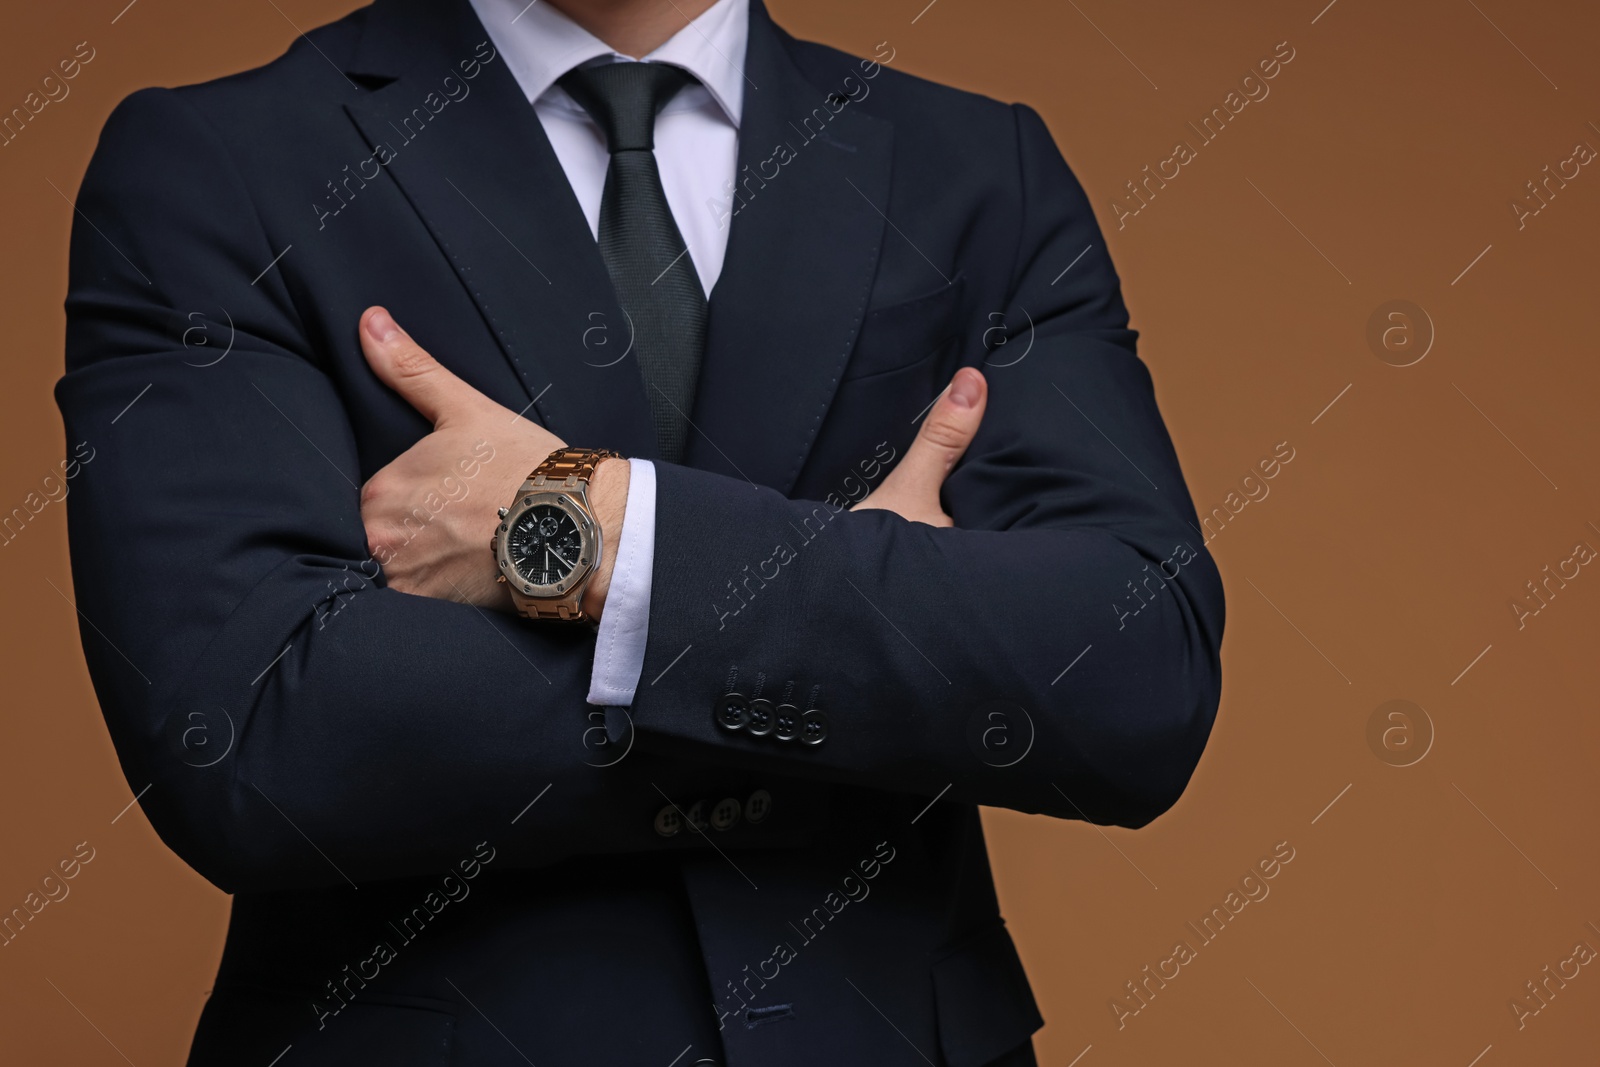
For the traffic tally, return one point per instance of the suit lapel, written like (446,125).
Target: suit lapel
(813,181)
(486,183)
(802,252)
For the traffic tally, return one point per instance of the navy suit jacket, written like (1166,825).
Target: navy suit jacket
(439,853)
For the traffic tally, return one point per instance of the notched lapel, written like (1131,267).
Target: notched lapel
(481,174)
(812,186)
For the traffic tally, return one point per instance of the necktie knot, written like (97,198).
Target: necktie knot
(624,98)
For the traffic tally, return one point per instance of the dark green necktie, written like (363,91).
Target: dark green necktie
(644,253)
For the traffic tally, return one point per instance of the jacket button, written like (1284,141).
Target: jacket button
(732,712)
(726,814)
(696,817)
(668,821)
(786,722)
(814,727)
(760,721)
(757,806)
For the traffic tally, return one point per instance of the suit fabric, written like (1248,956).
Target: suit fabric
(439,853)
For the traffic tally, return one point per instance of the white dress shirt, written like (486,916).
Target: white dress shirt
(697,147)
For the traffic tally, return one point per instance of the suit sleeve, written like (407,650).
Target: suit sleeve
(286,719)
(1057,651)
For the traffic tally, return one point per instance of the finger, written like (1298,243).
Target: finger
(949,428)
(404,366)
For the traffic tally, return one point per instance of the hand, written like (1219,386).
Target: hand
(911,490)
(430,514)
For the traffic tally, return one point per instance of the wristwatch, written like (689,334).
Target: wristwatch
(548,542)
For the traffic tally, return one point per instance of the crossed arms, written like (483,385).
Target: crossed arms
(223,572)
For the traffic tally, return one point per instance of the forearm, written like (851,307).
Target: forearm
(910,636)
(907,638)
(271,693)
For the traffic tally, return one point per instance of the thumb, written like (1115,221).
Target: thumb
(951,425)
(404,366)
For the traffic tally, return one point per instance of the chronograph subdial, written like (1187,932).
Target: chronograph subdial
(548,545)
(545,546)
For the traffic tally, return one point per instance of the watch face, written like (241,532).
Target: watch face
(545,546)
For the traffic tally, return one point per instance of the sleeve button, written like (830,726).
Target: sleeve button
(786,722)
(760,721)
(668,821)
(757,806)
(814,727)
(732,712)
(726,814)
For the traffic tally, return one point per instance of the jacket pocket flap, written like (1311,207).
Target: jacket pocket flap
(903,334)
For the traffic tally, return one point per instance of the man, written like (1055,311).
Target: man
(708,790)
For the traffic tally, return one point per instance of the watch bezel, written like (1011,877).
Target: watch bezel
(588,537)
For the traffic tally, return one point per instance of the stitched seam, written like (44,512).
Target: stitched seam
(493,323)
(461,271)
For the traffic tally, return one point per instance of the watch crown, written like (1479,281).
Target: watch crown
(502,512)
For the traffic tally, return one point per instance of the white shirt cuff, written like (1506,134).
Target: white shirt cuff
(625,623)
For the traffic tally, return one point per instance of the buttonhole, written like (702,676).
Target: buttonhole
(754,1017)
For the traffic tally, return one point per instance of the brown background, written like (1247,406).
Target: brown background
(1382,563)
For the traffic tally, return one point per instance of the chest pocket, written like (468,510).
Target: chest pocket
(903,334)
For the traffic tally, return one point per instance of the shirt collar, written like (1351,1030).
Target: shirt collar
(541,44)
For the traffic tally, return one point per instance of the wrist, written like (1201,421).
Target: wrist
(608,498)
